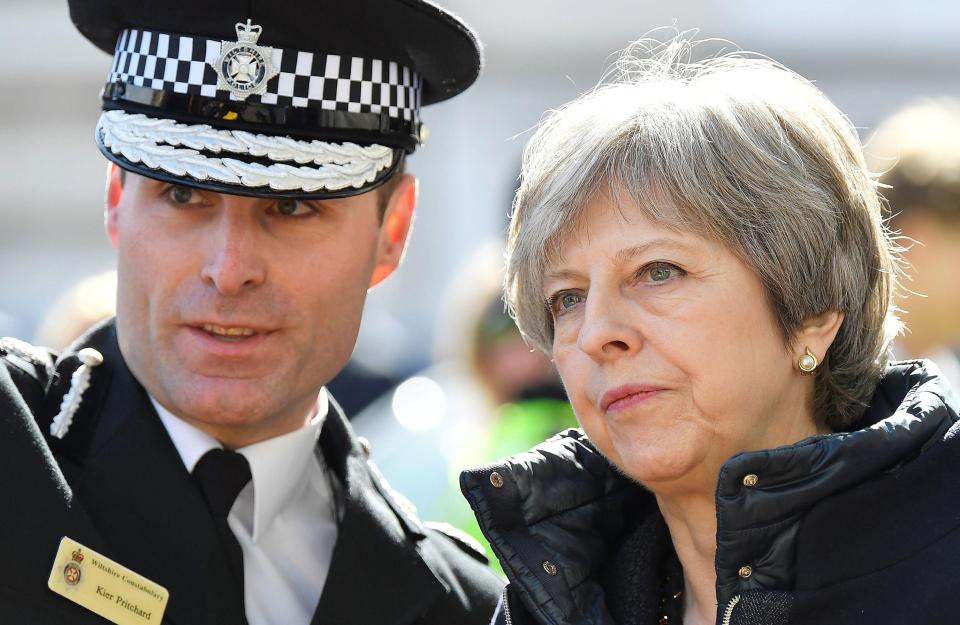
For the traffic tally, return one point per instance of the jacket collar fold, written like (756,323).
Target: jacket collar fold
(757,525)
(534,515)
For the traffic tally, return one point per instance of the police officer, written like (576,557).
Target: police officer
(183,462)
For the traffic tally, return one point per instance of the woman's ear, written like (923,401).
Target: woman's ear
(112,195)
(817,334)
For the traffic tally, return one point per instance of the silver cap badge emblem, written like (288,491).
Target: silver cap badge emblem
(244,68)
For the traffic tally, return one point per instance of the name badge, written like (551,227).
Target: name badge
(102,586)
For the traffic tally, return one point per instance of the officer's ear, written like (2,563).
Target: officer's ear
(112,194)
(396,226)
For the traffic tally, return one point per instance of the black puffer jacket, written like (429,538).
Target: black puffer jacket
(859,527)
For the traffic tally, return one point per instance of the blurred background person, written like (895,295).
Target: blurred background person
(487,395)
(86,303)
(523,398)
(918,152)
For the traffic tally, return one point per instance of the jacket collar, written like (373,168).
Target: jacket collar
(757,525)
(561,501)
(554,506)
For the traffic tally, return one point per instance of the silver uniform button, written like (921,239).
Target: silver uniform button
(90,357)
(364,445)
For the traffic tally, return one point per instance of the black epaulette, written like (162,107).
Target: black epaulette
(30,367)
(467,543)
(402,507)
(75,393)
(407,513)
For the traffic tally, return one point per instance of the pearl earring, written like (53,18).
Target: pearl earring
(807,363)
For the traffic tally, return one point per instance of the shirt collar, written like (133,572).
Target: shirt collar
(191,442)
(278,465)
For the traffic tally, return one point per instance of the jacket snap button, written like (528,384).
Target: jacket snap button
(549,567)
(496,479)
(750,480)
(745,571)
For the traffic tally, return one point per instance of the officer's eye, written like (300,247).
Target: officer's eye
(294,208)
(183,195)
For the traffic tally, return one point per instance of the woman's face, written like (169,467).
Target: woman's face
(669,350)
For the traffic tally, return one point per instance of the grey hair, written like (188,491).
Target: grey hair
(738,149)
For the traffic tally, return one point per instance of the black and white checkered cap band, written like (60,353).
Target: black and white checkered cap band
(184,64)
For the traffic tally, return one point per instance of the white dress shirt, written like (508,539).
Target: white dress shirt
(285,519)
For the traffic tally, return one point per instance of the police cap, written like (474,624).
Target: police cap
(305,99)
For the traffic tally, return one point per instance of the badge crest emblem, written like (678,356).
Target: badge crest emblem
(244,68)
(72,571)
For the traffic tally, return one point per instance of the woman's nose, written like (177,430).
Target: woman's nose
(608,329)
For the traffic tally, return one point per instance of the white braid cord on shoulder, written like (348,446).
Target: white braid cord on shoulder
(175,148)
(79,383)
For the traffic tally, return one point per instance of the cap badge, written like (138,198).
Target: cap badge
(244,68)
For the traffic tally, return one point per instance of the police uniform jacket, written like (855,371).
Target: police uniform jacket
(852,528)
(116,484)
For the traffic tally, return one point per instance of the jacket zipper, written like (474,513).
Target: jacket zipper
(506,607)
(727,613)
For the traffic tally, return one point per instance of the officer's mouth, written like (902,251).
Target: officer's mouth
(230,334)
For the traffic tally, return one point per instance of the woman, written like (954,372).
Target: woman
(699,247)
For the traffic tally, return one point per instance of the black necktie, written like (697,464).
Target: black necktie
(222,474)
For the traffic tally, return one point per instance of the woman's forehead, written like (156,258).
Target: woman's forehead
(621,212)
(609,236)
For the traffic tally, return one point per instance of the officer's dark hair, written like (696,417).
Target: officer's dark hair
(386,190)
(383,192)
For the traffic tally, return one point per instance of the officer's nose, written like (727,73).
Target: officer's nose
(233,261)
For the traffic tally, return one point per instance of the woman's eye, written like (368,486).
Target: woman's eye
(661,272)
(562,302)
(569,300)
(183,195)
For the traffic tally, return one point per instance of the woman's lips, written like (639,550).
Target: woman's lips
(627,396)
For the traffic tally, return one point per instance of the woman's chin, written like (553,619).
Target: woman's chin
(660,468)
